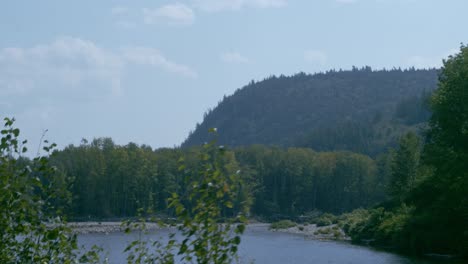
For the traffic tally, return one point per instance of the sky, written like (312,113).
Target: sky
(147,71)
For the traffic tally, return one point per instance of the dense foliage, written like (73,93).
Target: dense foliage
(200,207)
(442,199)
(31,229)
(417,193)
(114,181)
(277,183)
(428,209)
(360,110)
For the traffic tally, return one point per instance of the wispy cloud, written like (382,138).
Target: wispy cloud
(74,68)
(153,57)
(315,56)
(419,61)
(234,57)
(221,5)
(172,14)
(64,66)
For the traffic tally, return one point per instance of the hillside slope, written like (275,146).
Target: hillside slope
(359,110)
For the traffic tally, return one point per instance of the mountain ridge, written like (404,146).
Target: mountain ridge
(301,109)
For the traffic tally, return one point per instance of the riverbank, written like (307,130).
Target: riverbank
(312,231)
(104,227)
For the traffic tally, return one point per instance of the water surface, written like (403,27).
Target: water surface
(261,246)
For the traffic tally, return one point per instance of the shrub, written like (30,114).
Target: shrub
(30,193)
(324,231)
(283,224)
(337,234)
(325,220)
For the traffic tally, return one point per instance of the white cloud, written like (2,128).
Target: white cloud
(153,57)
(119,10)
(172,14)
(72,69)
(221,5)
(63,66)
(234,57)
(315,56)
(419,61)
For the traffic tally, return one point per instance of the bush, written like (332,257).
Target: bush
(325,220)
(283,224)
(324,231)
(378,226)
(30,198)
(337,234)
(349,221)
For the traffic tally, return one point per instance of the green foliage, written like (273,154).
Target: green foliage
(324,220)
(31,229)
(324,231)
(337,234)
(283,224)
(379,226)
(278,183)
(405,167)
(200,207)
(361,110)
(414,109)
(293,181)
(443,194)
(435,188)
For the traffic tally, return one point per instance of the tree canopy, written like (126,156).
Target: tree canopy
(360,110)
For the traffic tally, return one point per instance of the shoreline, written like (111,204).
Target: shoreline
(94,227)
(312,231)
(308,231)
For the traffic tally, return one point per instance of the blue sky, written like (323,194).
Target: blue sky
(146,71)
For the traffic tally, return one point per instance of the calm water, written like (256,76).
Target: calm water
(262,246)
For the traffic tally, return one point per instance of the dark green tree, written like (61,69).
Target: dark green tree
(444,196)
(405,166)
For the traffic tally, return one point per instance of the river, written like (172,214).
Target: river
(261,246)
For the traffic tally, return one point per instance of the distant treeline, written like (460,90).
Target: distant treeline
(416,192)
(108,180)
(359,110)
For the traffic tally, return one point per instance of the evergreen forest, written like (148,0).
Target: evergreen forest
(385,151)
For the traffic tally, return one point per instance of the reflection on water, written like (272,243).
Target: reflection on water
(262,246)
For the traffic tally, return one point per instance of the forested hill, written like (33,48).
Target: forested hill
(359,110)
